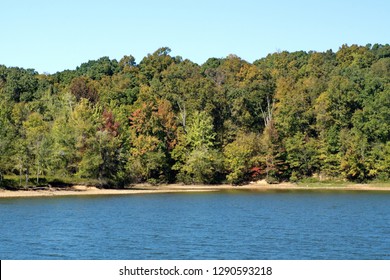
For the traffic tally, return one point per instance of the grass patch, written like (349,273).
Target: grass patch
(316,183)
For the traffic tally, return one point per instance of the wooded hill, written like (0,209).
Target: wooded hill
(287,116)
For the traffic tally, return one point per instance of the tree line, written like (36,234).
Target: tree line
(285,117)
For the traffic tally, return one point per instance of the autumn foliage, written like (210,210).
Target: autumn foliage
(285,117)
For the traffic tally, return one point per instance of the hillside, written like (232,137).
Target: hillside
(285,117)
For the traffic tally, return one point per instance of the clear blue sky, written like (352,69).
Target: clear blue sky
(52,35)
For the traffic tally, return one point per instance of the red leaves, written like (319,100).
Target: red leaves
(256,172)
(109,123)
(82,87)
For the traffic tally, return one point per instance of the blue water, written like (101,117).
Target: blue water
(198,226)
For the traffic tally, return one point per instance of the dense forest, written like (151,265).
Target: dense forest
(285,117)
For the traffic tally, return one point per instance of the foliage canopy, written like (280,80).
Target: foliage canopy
(284,117)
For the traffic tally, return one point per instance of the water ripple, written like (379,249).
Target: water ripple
(198,226)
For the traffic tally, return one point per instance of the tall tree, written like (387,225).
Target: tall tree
(196,159)
(38,146)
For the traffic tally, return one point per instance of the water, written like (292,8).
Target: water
(198,226)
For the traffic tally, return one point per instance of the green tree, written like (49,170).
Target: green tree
(18,85)
(98,69)
(273,155)
(355,163)
(84,121)
(241,158)
(196,159)
(7,138)
(38,145)
(153,64)
(301,156)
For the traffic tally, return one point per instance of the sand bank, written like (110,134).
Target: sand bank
(260,186)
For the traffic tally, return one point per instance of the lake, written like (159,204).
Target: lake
(242,225)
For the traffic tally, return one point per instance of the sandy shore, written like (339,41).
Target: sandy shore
(260,186)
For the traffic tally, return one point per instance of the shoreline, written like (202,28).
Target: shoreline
(80,190)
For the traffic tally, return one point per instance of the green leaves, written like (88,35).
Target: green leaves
(240,157)
(18,85)
(203,165)
(200,131)
(37,140)
(197,160)
(285,117)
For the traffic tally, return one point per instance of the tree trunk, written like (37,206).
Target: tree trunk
(183,114)
(26,177)
(38,174)
(20,175)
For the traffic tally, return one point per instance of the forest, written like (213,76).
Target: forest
(286,117)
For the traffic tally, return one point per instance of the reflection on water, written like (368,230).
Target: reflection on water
(198,226)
